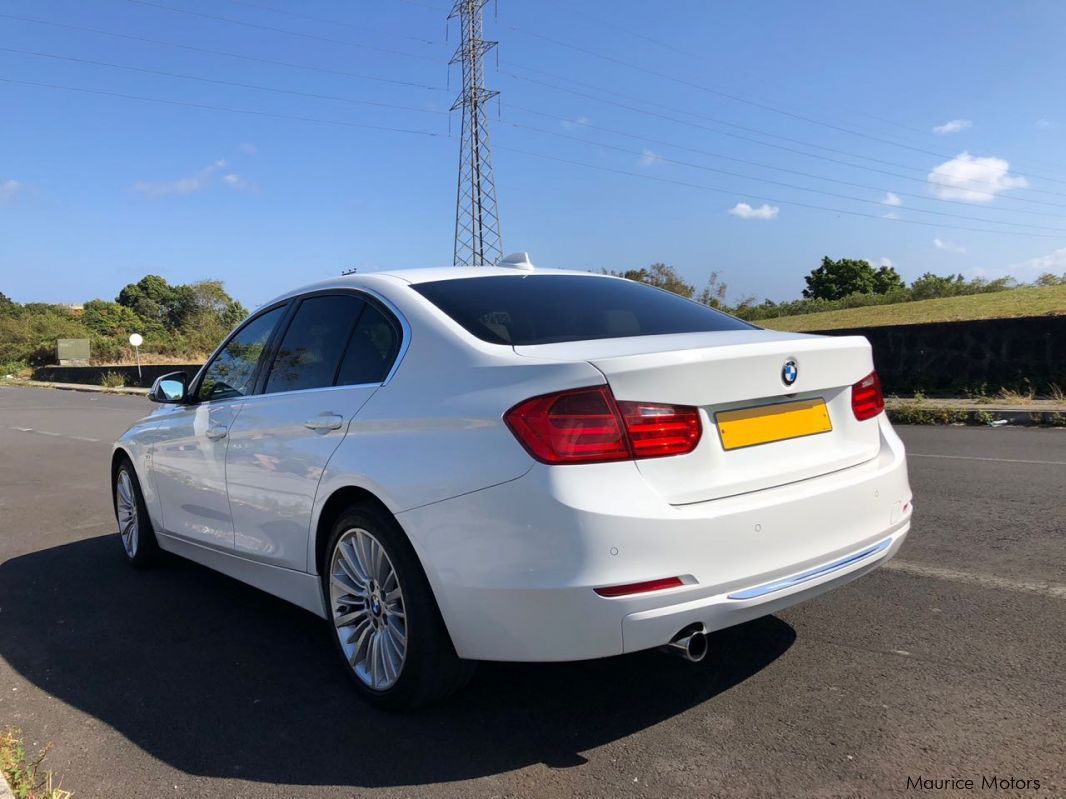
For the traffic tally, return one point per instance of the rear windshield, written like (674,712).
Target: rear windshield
(544,309)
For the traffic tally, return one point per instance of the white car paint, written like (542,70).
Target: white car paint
(513,548)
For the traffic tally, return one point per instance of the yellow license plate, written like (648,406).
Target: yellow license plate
(767,423)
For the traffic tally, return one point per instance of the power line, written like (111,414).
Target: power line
(794,203)
(737,98)
(781,183)
(650,140)
(219,82)
(603,22)
(224,53)
(698,126)
(284,31)
(326,21)
(227,109)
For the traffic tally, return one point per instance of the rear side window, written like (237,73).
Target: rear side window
(371,350)
(544,309)
(314,344)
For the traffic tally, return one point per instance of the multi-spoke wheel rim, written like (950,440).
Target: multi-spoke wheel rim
(126,505)
(366,601)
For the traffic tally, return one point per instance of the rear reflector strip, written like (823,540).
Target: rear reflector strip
(640,588)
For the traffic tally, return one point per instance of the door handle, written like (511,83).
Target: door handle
(325,421)
(216,433)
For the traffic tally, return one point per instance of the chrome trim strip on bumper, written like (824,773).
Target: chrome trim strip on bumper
(796,579)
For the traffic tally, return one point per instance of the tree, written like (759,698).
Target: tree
(930,286)
(113,320)
(836,279)
(661,276)
(887,279)
(155,300)
(713,293)
(1046,279)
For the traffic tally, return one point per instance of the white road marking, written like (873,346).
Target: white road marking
(1045,587)
(54,435)
(977,458)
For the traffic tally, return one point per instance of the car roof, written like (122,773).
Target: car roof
(432,274)
(369,280)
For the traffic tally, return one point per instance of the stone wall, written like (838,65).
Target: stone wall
(93,375)
(949,357)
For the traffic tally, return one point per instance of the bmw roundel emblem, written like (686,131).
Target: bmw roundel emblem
(789,372)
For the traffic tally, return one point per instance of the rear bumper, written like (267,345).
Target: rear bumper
(514,566)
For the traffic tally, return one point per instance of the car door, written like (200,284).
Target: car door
(189,453)
(334,354)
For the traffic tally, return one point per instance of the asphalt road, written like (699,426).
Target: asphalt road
(180,682)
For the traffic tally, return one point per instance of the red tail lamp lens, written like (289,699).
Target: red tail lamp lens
(587,425)
(866,398)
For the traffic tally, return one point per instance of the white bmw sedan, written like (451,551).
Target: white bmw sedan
(508,463)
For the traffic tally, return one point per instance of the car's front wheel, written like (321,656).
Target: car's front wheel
(134,526)
(383,615)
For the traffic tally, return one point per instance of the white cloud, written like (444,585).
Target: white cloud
(648,158)
(248,148)
(954,126)
(189,185)
(890,215)
(973,180)
(570,124)
(764,211)
(1054,262)
(1045,124)
(9,190)
(237,183)
(887,262)
(891,198)
(948,246)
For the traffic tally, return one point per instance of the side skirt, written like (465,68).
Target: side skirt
(300,588)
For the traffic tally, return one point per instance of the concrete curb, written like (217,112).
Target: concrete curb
(961,411)
(142,392)
(5,789)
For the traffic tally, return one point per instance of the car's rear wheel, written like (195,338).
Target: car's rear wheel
(383,615)
(134,527)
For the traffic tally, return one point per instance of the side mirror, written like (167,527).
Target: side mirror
(170,388)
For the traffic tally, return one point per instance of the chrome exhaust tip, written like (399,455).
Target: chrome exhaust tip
(691,644)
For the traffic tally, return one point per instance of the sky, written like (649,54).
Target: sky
(289,141)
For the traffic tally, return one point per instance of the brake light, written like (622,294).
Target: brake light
(587,425)
(866,398)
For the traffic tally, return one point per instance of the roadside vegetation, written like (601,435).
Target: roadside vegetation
(184,323)
(180,323)
(25,774)
(1000,304)
(854,285)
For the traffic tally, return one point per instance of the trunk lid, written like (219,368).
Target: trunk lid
(730,370)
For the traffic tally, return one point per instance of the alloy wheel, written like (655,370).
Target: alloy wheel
(126,505)
(367,608)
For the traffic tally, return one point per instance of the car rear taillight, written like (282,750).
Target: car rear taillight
(587,425)
(866,398)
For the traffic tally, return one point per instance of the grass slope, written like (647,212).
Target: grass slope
(1046,301)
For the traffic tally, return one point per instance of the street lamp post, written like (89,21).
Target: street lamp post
(136,339)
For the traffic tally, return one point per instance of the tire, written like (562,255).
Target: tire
(383,618)
(134,527)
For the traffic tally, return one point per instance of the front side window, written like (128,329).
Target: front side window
(232,372)
(314,344)
(544,309)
